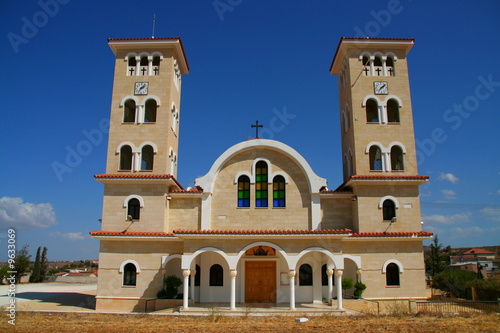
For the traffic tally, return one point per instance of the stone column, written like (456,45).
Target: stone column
(338,275)
(150,65)
(193,274)
(329,273)
(291,277)
(185,274)
(137,66)
(233,274)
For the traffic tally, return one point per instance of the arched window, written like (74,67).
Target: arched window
(349,165)
(389,65)
(134,209)
(173,162)
(261,184)
(324,276)
(377,66)
(126,158)
(147,158)
(343,127)
(175,119)
(129,275)
(129,111)
(156,65)
(375,158)
(388,210)
(392,111)
(243,191)
(197,277)
(392,275)
(305,275)
(372,111)
(150,115)
(366,65)
(144,65)
(397,158)
(347,119)
(279,191)
(216,275)
(344,167)
(132,63)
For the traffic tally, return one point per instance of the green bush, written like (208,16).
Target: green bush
(171,283)
(359,288)
(347,283)
(454,280)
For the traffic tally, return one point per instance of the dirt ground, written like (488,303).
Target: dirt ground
(89,322)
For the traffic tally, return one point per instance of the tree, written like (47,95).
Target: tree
(454,280)
(3,273)
(43,265)
(359,288)
(438,258)
(347,283)
(35,274)
(22,263)
(171,284)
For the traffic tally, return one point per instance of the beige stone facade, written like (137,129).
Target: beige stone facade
(260,226)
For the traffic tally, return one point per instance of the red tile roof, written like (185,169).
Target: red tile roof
(366,39)
(138,176)
(163,38)
(478,251)
(191,190)
(130,233)
(375,39)
(262,232)
(382,177)
(336,191)
(153,39)
(394,234)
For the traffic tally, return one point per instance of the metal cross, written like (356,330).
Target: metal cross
(366,71)
(257,128)
(156,69)
(391,71)
(378,70)
(131,70)
(143,70)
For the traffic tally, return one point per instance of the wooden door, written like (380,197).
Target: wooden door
(260,281)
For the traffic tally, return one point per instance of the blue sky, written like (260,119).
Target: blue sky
(249,60)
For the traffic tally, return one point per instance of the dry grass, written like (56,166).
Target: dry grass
(71,322)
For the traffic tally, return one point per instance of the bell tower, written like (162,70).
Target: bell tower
(141,164)
(375,106)
(144,123)
(378,142)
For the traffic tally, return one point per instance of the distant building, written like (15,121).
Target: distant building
(475,260)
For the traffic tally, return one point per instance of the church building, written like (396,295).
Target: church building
(260,226)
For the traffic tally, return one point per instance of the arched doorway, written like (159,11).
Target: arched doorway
(260,274)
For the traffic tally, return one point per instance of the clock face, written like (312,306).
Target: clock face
(381,87)
(141,88)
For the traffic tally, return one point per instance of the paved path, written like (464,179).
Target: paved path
(51,296)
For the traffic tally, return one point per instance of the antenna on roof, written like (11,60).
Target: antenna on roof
(154,23)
